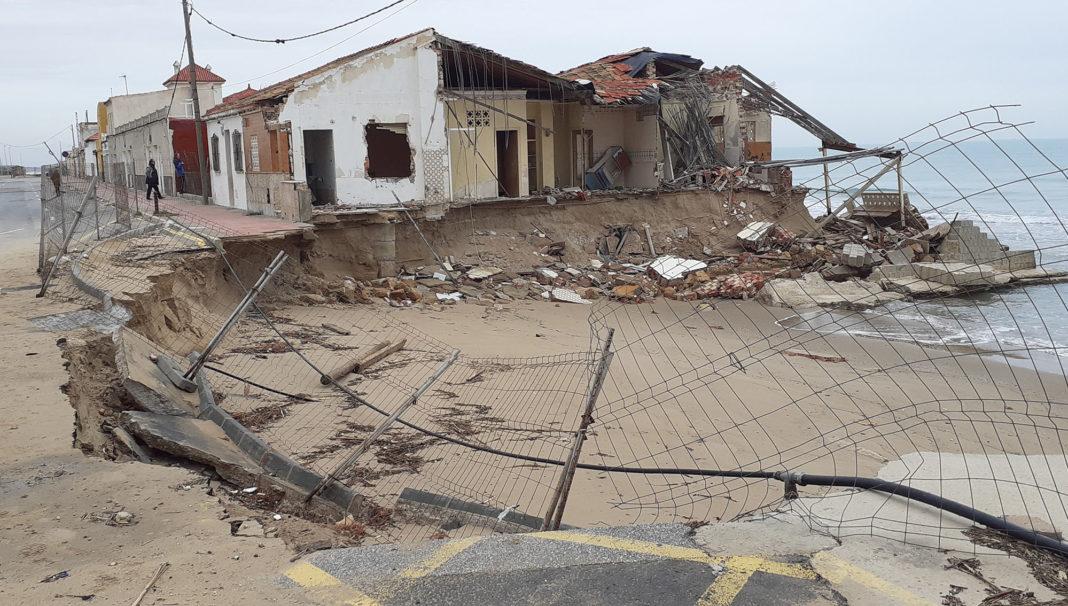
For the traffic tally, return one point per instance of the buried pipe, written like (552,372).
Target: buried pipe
(960,509)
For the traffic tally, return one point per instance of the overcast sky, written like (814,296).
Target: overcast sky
(872,71)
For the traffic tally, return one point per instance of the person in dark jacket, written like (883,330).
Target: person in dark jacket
(179,174)
(152,180)
(54,175)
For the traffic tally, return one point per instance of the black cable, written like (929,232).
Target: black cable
(257,385)
(970,513)
(284,40)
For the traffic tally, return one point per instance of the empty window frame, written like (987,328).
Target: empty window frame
(388,152)
(239,162)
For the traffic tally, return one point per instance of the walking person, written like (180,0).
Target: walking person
(152,180)
(179,174)
(54,175)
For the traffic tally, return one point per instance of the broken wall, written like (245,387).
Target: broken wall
(395,85)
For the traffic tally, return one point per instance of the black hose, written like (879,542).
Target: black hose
(969,513)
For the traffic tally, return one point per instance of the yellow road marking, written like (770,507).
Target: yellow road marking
(836,570)
(309,575)
(199,241)
(313,577)
(783,569)
(739,569)
(654,549)
(725,589)
(439,557)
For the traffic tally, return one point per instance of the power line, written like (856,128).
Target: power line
(284,40)
(49,138)
(316,54)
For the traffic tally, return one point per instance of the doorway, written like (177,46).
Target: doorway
(508,163)
(582,153)
(319,165)
(229,166)
(532,158)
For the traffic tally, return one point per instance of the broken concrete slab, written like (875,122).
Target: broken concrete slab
(899,257)
(961,275)
(481,273)
(838,273)
(777,534)
(145,381)
(131,444)
(107,321)
(917,287)
(813,291)
(1039,276)
(198,440)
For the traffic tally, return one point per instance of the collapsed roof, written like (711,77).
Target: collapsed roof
(640,76)
(632,77)
(643,76)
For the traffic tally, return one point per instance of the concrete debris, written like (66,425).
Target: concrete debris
(856,255)
(759,236)
(813,291)
(753,235)
(862,260)
(960,275)
(248,528)
(565,295)
(481,273)
(673,268)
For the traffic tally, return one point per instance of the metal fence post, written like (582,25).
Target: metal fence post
(556,508)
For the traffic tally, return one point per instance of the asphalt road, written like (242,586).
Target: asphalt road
(657,564)
(20,209)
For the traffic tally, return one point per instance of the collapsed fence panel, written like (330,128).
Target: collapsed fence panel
(706,403)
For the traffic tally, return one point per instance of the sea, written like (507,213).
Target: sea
(1015,189)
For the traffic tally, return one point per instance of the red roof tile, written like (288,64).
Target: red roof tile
(94,137)
(239,95)
(203,75)
(611,79)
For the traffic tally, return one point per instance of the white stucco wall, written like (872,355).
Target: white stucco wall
(393,85)
(222,193)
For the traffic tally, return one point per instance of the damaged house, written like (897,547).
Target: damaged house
(433,121)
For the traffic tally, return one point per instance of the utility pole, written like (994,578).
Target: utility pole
(201,151)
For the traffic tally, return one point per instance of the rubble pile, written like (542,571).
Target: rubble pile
(855,262)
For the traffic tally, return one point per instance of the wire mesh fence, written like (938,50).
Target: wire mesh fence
(900,369)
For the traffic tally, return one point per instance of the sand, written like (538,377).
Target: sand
(712,385)
(707,389)
(51,494)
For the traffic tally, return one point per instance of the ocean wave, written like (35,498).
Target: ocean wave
(981,217)
(931,329)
